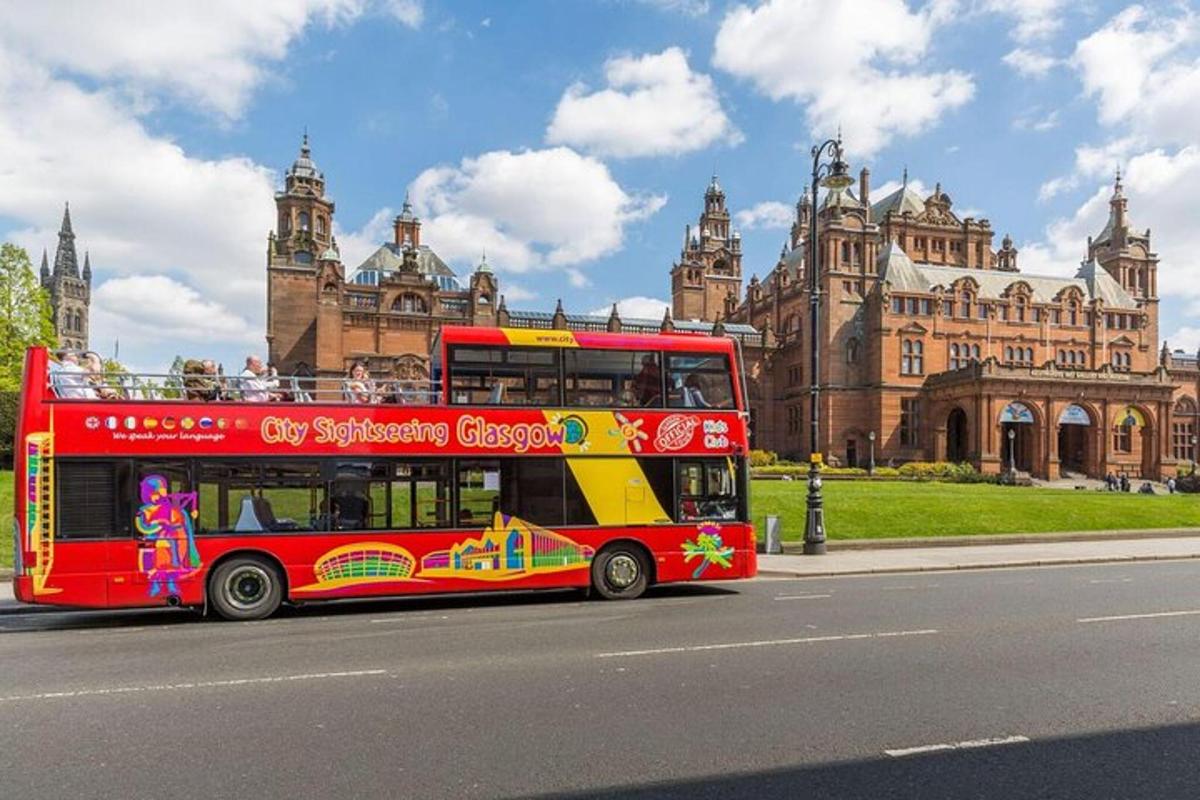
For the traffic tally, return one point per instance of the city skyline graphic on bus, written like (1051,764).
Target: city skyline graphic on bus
(511,548)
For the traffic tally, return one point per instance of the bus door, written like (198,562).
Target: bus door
(155,555)
(69,516)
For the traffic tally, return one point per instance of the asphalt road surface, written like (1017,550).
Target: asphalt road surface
(1053,682)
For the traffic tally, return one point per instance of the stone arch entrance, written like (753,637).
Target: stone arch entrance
(1076,425)
(1019,438)
(957,441)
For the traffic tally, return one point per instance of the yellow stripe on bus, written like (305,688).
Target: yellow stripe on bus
(616,488)
(537,337)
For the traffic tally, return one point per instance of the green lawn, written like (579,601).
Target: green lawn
(885,509)
(6,509)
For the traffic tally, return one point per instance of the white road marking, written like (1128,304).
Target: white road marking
(1111,580)
(699,648)
(802,596)
(970,744)
(173,687)
(1191,613)
(908,588)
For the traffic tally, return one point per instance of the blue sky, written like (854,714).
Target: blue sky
(571,140)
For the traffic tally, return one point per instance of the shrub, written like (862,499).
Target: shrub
(762,458)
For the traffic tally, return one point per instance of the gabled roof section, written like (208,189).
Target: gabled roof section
(901,200)
(1102,285)
(898,270)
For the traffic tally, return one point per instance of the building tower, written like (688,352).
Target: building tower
(300,252)
(1125,254)
(70,291)
(710,264)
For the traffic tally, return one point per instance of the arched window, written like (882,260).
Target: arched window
(409,304)
(1028,355)
(1073,314)
(845,252)
(1020,309)
(1008,354)
(320,224)
(975,352)
(856,253)
(304,221)
(966,304)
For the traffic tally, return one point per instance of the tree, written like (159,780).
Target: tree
(25,315)
(25,320)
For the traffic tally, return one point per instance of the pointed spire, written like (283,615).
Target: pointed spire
(483,265)
(66,261)
(560,317)
(614,320)
(904,180)
(668,325)
(45,268)
(1117,183)
(718,328)
(87,266)
(502,318)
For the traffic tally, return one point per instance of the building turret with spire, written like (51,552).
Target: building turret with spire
(70,291)
(710,264)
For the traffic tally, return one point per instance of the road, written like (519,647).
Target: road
(1046,682)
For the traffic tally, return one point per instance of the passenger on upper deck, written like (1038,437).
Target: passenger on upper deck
(70,381)
(358,386)
(254,388)
(94,368)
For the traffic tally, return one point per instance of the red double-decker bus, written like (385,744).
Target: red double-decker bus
(530,459)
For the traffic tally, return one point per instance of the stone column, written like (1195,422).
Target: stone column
(1054,458)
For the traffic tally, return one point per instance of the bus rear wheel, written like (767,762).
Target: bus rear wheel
(620,572)
(245,588)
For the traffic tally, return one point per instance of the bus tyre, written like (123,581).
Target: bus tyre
(620,572)
(245,588)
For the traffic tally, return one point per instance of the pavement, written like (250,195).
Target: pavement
(1052,682)
(960,556)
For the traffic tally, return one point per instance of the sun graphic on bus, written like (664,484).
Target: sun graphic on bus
(631,431)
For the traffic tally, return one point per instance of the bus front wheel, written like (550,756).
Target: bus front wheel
(620,572)
(245,588)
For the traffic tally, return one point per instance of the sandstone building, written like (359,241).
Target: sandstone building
(933,339)
(934,342)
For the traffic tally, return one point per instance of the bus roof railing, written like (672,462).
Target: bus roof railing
(176,387)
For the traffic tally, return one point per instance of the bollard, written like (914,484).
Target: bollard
(771,543)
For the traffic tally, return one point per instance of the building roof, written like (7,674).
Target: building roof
(390,257)
(842,198)
(1092,280)
(901,200)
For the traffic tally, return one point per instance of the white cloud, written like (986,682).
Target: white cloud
(1035,19)
(689,8)
(147,305)
(1030,63)
(653,105)
(862,72)
(767,215)
(213,54)
(1142,69)
(1035,120)
(534,209)
(635,307)
(515,293)
(406,12)
(139,203)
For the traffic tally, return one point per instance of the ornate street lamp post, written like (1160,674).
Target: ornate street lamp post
(871,463)
(1193,454)
(834,175)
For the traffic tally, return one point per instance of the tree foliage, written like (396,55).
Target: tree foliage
(25,320)
(25,315)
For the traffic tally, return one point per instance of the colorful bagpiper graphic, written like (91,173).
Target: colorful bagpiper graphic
(168,553)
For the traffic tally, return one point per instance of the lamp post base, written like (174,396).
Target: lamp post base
(814,520)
